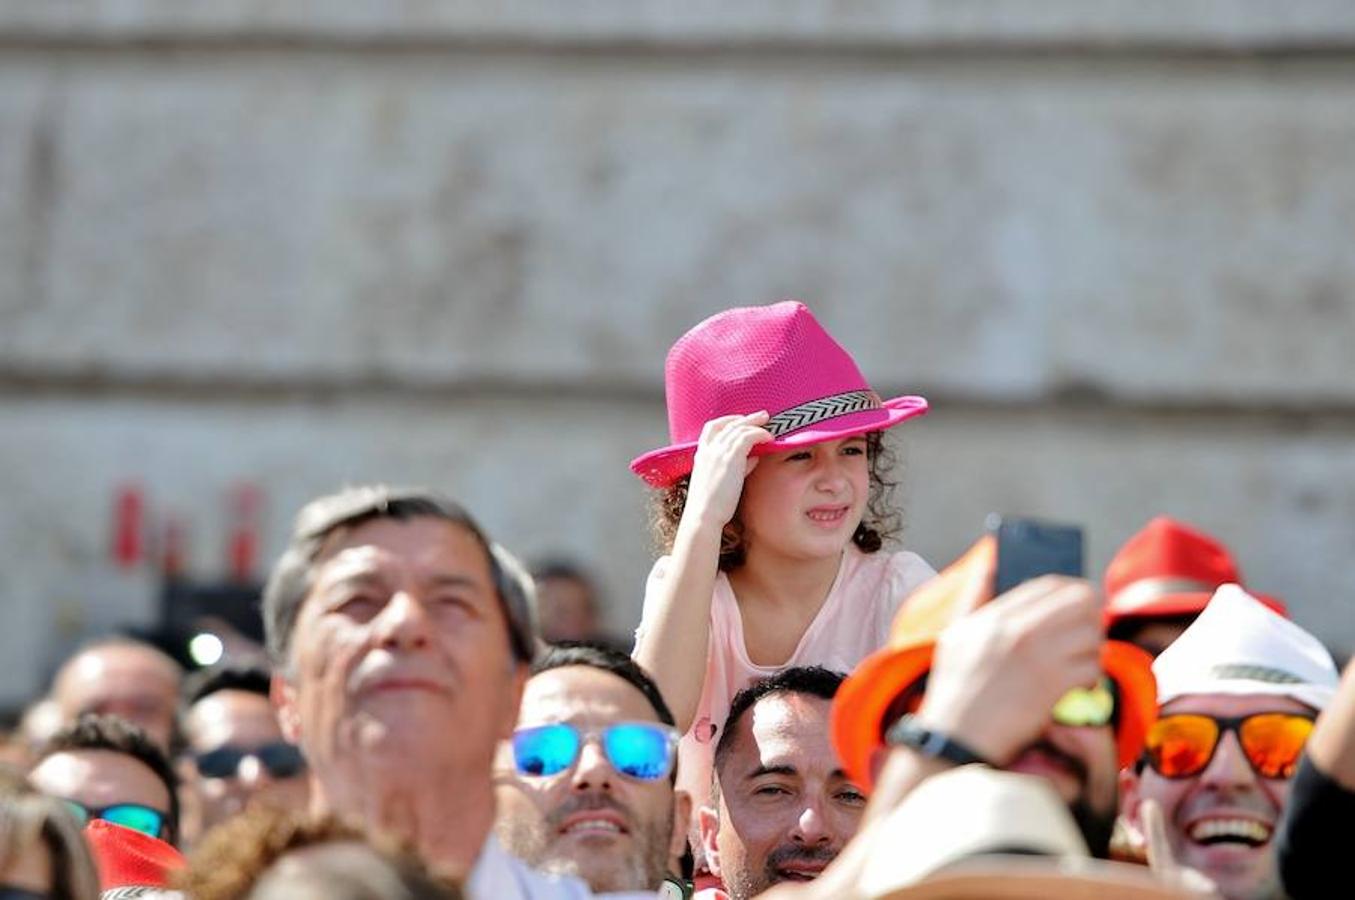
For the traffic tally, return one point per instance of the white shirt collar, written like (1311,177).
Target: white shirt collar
(497,875)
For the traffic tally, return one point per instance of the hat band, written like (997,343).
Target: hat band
(815,411)
(1264,674)
(1146,590)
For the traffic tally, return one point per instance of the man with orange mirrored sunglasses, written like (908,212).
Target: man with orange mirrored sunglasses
(1238,693)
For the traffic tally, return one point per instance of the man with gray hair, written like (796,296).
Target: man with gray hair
(401,641)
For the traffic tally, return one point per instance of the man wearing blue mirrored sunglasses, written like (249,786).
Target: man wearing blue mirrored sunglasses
(105,768)
(585,786)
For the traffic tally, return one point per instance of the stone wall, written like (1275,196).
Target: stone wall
(303,244)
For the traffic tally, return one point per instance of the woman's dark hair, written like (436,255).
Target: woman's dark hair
(879,524)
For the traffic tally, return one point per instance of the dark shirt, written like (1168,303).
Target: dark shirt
(1314,837)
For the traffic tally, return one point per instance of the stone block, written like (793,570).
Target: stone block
(1160,233)
(1230,24)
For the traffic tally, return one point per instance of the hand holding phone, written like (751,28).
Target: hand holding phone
(1000,669)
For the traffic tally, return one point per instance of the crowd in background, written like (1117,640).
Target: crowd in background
(806,709)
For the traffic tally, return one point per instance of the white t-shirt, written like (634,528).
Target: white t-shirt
(497,875)
(852,623)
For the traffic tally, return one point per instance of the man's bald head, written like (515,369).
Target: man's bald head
(121,677)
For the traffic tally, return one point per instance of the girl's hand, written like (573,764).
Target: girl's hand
(721,464)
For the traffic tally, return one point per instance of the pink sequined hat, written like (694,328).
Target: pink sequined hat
(776,358)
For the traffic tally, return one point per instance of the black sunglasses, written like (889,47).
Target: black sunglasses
(279,758)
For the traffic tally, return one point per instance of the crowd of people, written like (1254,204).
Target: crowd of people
(808,709)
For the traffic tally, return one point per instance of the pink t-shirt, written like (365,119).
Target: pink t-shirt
(852,623)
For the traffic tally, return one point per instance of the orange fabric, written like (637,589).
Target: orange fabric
(1132,671)
(866,695)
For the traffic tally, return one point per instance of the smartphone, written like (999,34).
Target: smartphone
(1027,548)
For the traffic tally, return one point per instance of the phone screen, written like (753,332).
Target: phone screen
(1027,549)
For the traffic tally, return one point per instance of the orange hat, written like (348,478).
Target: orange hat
(865,697)
(1169,569)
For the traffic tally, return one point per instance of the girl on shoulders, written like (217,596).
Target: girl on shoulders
(772,513)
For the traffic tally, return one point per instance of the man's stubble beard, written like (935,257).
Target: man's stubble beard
(642,870)
(744,886)
(1096,827)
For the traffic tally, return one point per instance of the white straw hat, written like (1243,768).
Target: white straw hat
(1240,646)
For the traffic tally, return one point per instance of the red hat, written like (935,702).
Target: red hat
(129,858)
(776,358)
(864,699)
(1169,569)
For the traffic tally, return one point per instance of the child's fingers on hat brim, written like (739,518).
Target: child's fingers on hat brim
(754,434)
(737,435)
(717,424)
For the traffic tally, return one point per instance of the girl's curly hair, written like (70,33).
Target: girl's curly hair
(880,523)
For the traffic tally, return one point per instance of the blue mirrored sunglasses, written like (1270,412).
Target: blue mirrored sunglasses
(640,750)
(128,815)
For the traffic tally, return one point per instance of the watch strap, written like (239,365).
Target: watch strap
(908,731)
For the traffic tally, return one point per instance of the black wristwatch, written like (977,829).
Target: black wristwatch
(909,732)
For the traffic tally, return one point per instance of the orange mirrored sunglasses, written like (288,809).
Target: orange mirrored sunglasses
(1182,745)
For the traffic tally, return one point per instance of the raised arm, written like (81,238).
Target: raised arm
(1332,745)
(1313,839)
(674,635)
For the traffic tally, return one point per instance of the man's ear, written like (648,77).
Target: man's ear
(708,818)
(509,714)
(283,695)
(682,822)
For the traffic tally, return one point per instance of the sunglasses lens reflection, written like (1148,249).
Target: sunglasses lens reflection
(1180,746)
(137,818)
(282,760)
(1273,742)
(639,751)
(223,762)
(545,750)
